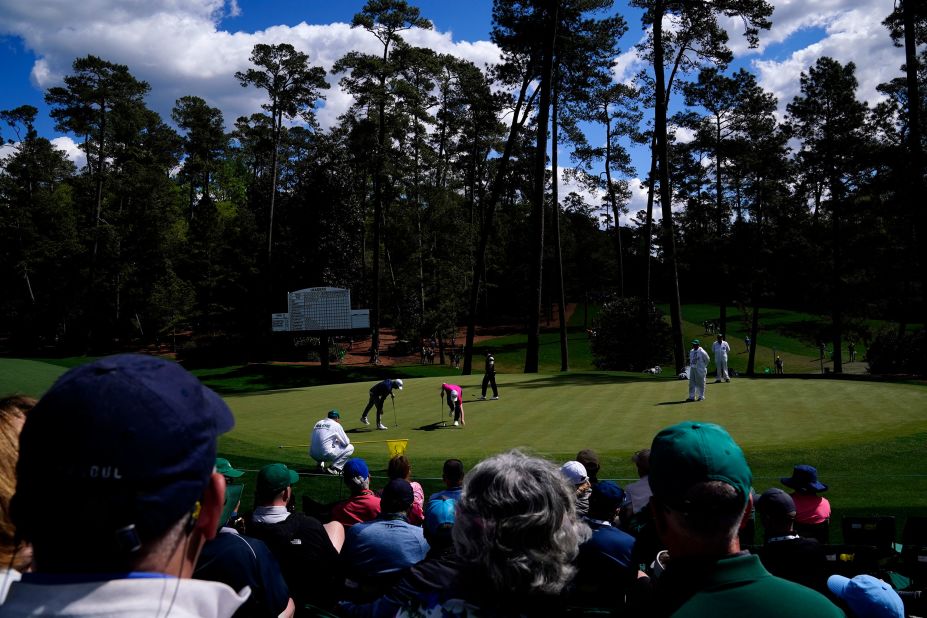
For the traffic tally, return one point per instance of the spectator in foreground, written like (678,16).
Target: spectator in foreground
(701,492)
(426,581)
(399,467)
(575,473)
(638,493)
(15,556)
(606,564)
(590,460)
(307,555)
(452,474)
(784,553)
(867,596)
(363,504)
(517,535)
(238,560)
(131,442)
(376,552)
(812,512)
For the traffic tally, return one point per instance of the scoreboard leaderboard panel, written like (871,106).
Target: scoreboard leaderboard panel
(320,310)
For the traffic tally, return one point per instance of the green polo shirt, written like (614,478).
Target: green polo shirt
(741,586)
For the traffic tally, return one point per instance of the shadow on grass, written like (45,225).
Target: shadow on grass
(673,403)
(244,379)
(581,379)
(435,426)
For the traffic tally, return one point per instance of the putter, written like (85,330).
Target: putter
(395,418)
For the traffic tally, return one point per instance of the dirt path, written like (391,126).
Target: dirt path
(358,351)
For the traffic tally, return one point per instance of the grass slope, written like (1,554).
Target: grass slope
(27,377)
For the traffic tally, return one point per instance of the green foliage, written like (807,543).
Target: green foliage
(629,335)
(894,353)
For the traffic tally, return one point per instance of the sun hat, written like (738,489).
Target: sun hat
(689,453)
(274,478)
(128,440)
(334,414)
(224,467)
(775,503)
(867,596)
(574,472)
(804,478)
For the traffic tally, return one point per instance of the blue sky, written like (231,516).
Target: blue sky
(184,47)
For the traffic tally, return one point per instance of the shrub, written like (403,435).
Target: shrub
(891,353)
(627,336)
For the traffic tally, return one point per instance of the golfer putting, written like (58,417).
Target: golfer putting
(453,395)
(378,394)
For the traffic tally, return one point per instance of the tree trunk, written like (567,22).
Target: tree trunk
(486,224)
(915,159)
(669,241)
(555,203)
(613,201)
(536,267)
(278,128)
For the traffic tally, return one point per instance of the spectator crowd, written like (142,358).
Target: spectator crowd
(145,520)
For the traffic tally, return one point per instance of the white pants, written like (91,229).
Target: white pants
(336,457)
(697,383)
(721,363)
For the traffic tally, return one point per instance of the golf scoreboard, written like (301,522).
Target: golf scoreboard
(320,310)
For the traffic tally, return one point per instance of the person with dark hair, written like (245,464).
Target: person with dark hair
(489,376)
(131,442)
(701,492)
(378,394)
(517,535)
(400,467)
(453,475)
(238,560)
(637,494)
(784,553)
(15,556)
(387,544)
(363,504)
(308,555)
(590,460)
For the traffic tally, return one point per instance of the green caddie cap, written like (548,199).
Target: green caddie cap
(224,467)
(696,342)
(274,478)
(690,453)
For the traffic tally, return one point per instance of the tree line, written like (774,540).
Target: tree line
(432,196)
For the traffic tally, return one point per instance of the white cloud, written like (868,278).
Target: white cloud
(177,47)
(853,32)
(71,150)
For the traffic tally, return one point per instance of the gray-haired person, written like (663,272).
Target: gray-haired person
(517,536)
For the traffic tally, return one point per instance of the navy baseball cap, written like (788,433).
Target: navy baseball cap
(397,496)
(126,440)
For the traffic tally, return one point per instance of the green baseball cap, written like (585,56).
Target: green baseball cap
(696,342)
(274,478)
(691,452)
(334,414)
(224,467)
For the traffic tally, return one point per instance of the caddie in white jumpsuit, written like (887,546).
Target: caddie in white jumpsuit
(698,371)
(720,349)
(330,444)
